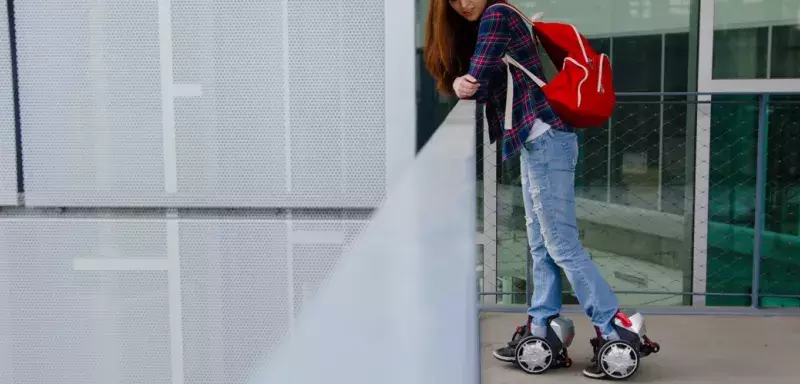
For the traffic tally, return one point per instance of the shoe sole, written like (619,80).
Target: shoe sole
(503,358)
(593,375)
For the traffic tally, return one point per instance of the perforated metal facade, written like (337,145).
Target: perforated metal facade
(148,120)
(127,300)
(204,103)
(8,154)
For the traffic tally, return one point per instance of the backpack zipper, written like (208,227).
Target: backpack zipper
(600,75)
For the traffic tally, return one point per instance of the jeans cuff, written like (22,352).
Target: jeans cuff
(538,322)
(611,335)
(539,330)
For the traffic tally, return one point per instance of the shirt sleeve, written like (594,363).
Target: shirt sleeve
(494,35)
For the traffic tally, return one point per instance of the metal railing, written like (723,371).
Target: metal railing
(683,199)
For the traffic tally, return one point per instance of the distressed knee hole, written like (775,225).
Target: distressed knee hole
(528,220)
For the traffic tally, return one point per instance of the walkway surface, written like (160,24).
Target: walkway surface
(694,349)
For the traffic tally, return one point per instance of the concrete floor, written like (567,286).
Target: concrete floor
(694,349)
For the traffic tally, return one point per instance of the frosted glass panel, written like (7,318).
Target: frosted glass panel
(417,256)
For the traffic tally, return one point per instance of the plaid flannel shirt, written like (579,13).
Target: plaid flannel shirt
(502,31)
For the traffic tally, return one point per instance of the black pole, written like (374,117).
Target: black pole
(12,40)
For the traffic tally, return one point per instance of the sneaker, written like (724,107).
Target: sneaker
(593,370)
(508,353)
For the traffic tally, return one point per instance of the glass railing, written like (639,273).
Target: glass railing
(638,217)
(406,289)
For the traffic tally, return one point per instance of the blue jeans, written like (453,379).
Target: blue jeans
(548,188)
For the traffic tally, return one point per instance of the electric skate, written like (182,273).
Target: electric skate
(620,359)
(537,355)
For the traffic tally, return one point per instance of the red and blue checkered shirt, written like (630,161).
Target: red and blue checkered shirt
(502,31)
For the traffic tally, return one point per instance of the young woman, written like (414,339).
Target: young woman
(466,41)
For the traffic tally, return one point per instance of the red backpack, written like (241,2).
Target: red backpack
(582,93)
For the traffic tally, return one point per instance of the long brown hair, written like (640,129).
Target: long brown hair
(449,43)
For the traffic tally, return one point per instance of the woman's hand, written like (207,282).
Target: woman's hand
(465,86)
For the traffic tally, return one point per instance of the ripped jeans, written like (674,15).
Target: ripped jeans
(548,190)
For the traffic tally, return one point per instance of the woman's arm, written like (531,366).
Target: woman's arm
(494,35)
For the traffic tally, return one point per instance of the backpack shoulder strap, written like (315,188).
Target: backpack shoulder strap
(530,20)
(510,61)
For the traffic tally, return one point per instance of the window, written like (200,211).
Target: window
(756,39)
(785,61)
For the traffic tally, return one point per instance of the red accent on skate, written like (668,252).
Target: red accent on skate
(569,339)
(626,322)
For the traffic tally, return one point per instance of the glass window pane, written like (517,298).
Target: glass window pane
(603,18)
(676,62)
(591,173)
(635,129)
(780,250)
(731,199)
(785,52)
(637,63)
(601,45)
(740,53)
(634,152)
(741,38)
(512,240)
(676,118)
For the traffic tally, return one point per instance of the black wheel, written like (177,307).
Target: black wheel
(567,363)
(656,347)
(618,359)
(534,355)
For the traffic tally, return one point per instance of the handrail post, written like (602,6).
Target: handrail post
(528,275)
(489,169)
(761,177)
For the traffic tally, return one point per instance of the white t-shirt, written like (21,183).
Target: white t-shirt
(539,128)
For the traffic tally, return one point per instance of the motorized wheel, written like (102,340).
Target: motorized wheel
(618,359)
(534,355)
